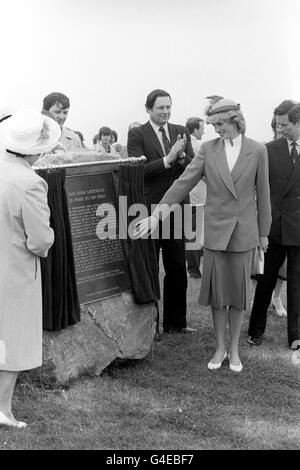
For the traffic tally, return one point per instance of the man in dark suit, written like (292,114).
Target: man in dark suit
(168,150)
(284,237)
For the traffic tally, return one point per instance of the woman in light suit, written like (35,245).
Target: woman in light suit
(237,219)
(25,236)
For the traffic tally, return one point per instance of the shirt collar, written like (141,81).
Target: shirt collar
(156,127)
(237,141)
(291,141)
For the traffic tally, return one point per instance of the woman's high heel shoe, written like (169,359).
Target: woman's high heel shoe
(238,368)
(5,421)
(216,365)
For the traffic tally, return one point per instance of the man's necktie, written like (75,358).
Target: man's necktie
(294,153)
(166,142)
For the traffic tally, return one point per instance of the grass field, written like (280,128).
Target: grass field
(170,400)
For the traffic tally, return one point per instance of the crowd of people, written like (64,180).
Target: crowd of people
(247,194)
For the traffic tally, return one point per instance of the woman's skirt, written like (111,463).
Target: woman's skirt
(226,279)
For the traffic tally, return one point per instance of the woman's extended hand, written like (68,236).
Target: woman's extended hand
(145,227)
(263,243)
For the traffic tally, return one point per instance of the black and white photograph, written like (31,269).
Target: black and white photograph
(150,228)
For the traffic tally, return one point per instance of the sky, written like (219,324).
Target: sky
(107,55)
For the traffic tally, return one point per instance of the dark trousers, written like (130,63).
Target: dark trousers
(175,282)
(274,259)
(193,256)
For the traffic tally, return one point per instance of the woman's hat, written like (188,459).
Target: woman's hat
(218,104)
(29,132)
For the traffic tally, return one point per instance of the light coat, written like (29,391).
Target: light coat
(25,236)
(238,209)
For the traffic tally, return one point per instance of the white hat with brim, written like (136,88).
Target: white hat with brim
(29,132)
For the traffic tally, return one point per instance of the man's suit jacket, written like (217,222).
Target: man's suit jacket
(144,141)
(238,209)
(285,194)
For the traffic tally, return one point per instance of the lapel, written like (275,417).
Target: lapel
(172,133)
(294,171)
(220,160)
(243,160)
(283,157)
(150,136)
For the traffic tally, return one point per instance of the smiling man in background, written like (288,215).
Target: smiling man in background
(57,105)
(284,237)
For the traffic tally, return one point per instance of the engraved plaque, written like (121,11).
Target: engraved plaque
(100,264)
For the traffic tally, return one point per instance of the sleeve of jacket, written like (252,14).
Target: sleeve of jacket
(263,194)
(36,215)
(183,185)
(135,148)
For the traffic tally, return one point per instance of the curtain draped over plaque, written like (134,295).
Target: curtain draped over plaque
(141,255)
(61,306)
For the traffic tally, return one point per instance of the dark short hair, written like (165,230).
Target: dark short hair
(151,98)
(294,114)
(273,125)
(284,107)
(53,98)
(115,135)
(104,131)
(95,139)
(46,113)
(193,123)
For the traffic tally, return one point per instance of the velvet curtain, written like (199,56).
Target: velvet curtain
(61,306)
(141,254)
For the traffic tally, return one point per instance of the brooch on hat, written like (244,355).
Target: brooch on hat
(212,100)
(218,104)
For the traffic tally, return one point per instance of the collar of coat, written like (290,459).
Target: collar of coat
(242,162)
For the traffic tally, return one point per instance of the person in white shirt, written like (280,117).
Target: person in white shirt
(104,144)
(168,150)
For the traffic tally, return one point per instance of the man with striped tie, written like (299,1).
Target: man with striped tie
(284,237)
(168,150)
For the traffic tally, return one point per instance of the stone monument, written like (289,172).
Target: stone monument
(112,325)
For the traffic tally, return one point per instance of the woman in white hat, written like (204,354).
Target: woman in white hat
(237,219)
(25,236)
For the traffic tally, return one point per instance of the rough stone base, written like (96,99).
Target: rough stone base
(115,328)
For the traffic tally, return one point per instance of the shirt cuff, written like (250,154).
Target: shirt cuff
(167,165)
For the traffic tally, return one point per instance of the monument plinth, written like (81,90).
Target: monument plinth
(112,325)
